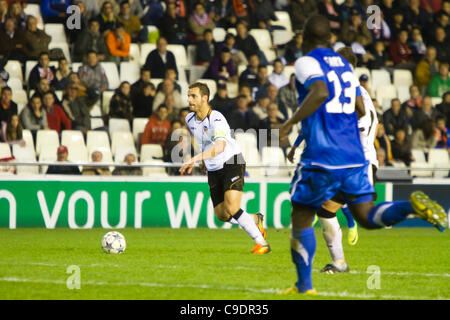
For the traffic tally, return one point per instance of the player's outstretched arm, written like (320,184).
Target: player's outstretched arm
(317,94)
(217,148)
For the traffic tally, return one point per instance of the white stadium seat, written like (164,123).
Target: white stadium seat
(71,138)
(138,128)
(151,152)
(96,111)
(28,138)
(112,74)
(5,150)
(14,68)
(77,154)
(251,156)
(246,139)
(97,139)
(106,154)
(122,139)
(283,20)
(106,99)
(129,71)
(146,48)
(380,77)
(117,125)
(19,96)
(46,138)
(282,37)
(75,66)
(97,123)
(179,52)
(56,31)
(439,158)
(191,54)
(15,84)
(262,37)
(122,151)
(421,173)
(232,31)
(154,171)
(274,156)
(402,78)
(403,93)
(418,155)
(219,34)
(135,53)
(156,81)
(288,70)
(384,94)
(25,154)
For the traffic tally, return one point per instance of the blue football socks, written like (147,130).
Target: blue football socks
(348,216)
(389,213)
(303,248)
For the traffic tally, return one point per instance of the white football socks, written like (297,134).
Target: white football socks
(248,224)
(332,234)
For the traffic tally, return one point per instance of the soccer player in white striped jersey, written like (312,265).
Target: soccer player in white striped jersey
(223,160)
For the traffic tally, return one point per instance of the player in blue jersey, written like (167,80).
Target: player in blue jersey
(333,169)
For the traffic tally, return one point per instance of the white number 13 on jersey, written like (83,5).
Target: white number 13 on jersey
(334,105)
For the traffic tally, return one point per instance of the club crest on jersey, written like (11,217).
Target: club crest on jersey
(205,129)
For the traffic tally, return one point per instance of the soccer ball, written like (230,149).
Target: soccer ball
(113,242)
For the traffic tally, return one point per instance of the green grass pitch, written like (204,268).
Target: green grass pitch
(209,264)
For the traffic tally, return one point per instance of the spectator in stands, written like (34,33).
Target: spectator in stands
(92,40)
(398,24)
(355,27)
(329,9)
(167,89)
(440,21)
(262,102)
(426,68)
(381,158)
(277,78)
(42,70)
(74,33)
(13,41)
(7,106)
(294,49)
(248,76)
(262,81)
(118,43)
(246,43)
(170,74)
(271,124)
(205,49)
(382,142)
(120,105)
(388,10)
(300,10)
(62,74)
(12,131)
(199,21)
(416,15)
(93,77)
(222,68)
(346,9)
(401,147)
(262,13)
(3,11)
(415,99)
(160,59)
(440,83)
(76,109)
(223,14)
(36,40)
(107,19)
(62,156)
(444,107)
(243,118)
(237,55)
(288,95)
(424,113)
(4,75)
(444,133)
(129,160)
(56,117)
(143,101)
(54,11)
(20,17)
(442,45)
(400,52)
(395,118)
(137,87)
(175,140)
(425,137)
(74,79)
(246,90)
(364,82)
(42,87)
(157,128)
(417,44)
(381,58)
(172,113)
(131,23)
(173,27)
(96,157)
(92,8)
(221,101)
(34,117)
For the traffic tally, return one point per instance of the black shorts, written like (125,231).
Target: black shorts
(230,177)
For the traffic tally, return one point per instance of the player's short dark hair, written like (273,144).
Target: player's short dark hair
(347,54)
(203,88)
(206,31)
(317,30)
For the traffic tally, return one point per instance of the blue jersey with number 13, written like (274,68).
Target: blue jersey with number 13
(331,133)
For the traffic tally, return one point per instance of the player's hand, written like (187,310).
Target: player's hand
(291,154)
(186,169)
(284,130)
(202,167)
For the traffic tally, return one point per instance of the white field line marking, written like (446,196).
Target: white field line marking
(343,294)
(94,265)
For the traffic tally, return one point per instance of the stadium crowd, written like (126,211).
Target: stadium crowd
(253,89)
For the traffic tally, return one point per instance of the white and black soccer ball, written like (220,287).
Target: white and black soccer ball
(113,242)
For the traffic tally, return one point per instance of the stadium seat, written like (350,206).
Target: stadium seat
(25,154)
(402,78)
(97,123)
(59,94)
(403,93)
(96,111)
(122,151)
(138,127)
(359,71)
(241,68)
(135,53)
(106,154)
(418,155)
(75,66)
(122,139)
(151,152)
(436,100)
(158,171)
(15,83)
(146,48)
(246,139)
(179,52)
(282,37)
(112,74)
(274,157)
(28,66)
(211,85)
(77,154)
(421,173)
(97,139)
(219,34)
(28,138)
(19,96)
(5,150)
(117,124)
(33,9)
(439,158)
(191,54)
(232,89)
(71,138)
(283,20)
(232,31)
(129,71)
(380,77)
(384,94)
(262,37)
(46,138)
(48,154)
(156,81)
(251,156)
(106,99)
(184,92)
(288,70)
(56,30)
(14,68)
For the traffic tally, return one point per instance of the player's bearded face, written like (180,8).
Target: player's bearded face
(194,99)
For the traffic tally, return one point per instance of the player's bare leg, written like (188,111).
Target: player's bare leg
(303,247)
(229,210)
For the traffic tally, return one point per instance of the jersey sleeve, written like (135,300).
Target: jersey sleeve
(299,139)
(219,127)
(308,71)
